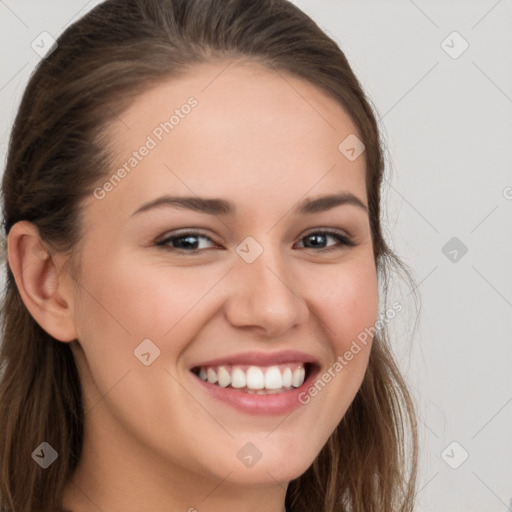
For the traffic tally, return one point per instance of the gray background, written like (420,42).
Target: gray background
(447,123)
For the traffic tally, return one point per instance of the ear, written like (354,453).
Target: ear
(42,280)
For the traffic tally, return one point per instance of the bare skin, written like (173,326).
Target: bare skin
(154,439)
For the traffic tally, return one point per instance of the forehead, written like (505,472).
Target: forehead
(236,129)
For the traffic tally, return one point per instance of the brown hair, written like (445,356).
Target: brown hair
(58,153)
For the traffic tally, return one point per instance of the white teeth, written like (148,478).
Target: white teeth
(266,380)
(273,378)
(255,379)
(238,379)
(211,375)
(298,377)
(224,377)
(287,378)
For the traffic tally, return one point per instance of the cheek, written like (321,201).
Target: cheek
(346,300)
(127,302)
(346,304)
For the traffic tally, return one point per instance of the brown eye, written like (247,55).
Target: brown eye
(188,242)
(319,240)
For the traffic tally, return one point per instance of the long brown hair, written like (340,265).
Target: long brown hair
(58,153)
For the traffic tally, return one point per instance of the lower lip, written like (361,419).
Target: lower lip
(271,404)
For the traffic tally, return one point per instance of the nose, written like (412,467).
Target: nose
(264,297)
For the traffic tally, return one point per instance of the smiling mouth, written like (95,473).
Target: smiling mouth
(252,379)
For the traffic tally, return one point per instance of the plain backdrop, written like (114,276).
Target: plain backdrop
(439,76)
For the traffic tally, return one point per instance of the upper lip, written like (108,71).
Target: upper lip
(260,359)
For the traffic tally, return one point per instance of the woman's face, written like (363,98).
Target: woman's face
(262,288)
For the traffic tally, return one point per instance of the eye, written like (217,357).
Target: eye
(187,241)
(317,240)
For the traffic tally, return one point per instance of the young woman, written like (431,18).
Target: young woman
(192,317)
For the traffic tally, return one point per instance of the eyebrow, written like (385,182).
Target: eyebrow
(216,206)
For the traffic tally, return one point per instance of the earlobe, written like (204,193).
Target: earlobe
(41,281)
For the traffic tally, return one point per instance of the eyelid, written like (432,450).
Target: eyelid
(183,232)
(331,231)
(345,238)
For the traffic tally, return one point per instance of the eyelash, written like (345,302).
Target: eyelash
(345,241)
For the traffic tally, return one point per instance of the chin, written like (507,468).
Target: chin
(272,466)
(263,475)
